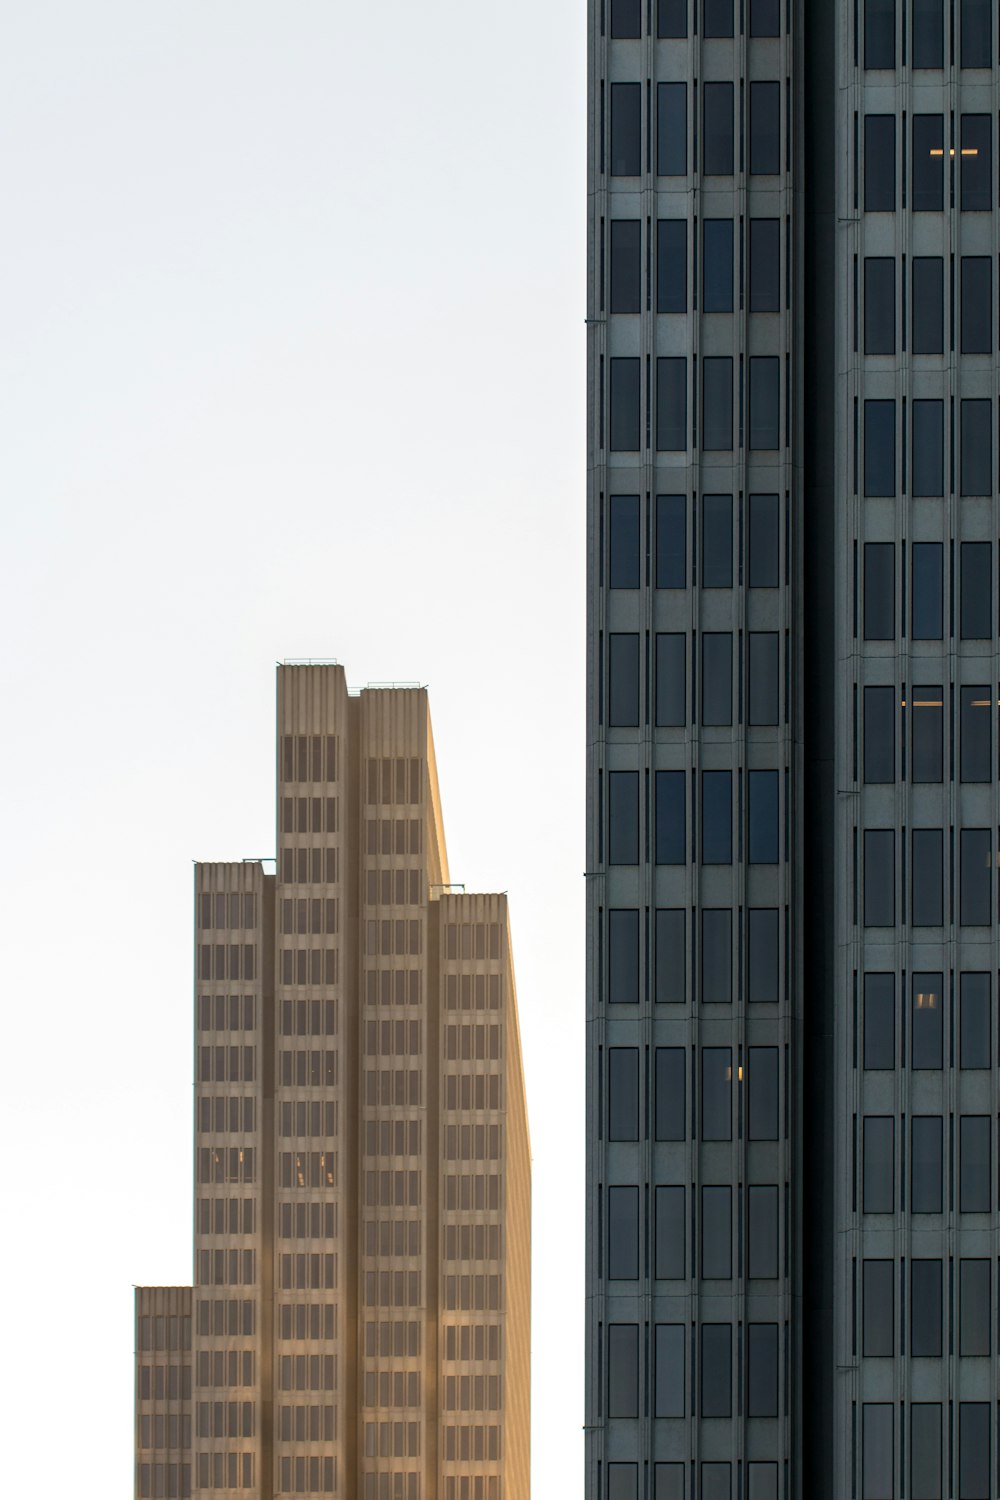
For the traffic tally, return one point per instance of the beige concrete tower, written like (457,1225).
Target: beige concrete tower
(360,1320)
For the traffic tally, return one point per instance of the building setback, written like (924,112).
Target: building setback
(793,812)
(360,1315)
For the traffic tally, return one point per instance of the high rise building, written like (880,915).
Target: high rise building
(359,1320)
(793,811)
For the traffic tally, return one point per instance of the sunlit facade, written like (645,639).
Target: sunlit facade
(359,1321)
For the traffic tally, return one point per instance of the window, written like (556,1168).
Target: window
(974,1316)
(880,735)
(977,447)
(623,817)
(762,1370)
(974,1450)
(975,1024)
(765,523)
(716,678)
(762,1231)
(671,129)
(671,541)
(977,34)
(623,1481)
(717,152)
(623,1233)
(763,1088)
(879,1164)
(763,1481)
(716,1481)
(762,967)
(716,1371)
(670,818)
(623,1094)
(927,1021)
(716,1094)
(977,304)
(928,41)
(671,22)
(671,956)
(623,1369)
(671,1225)
(717,817)
(880,591)
(765,402)
(623,681)
(925,1449)
(975,861)
(763,817)
(977,591)
(877,1308)
(764,19)
(765,265)
(623,542)
(880,447)
(717,541)
(625,19)
(671,266)
(668,1481)
(925,1309)
(928,877)
(927,748)
(718,17)
(626,129)
(927,195)
(717,404)
(623,957)
(671,404)
(974,1164)
(880,877)
(927,609)
(765,129)
(671,681)
(976,164)
(626,265)
(670,1105)
(717,265)
(877,1473)
(927,299)
(880,33)
(880,164)
(716,1236)
(716,956)
(880,304)
(926,1165)
(764,667)
(624,395)
(927,449)
(976,738)
(880,1022)
(668,1386)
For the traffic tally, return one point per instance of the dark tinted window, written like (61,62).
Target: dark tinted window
(762,1082)
(671,956)
(716,1375)
(763,817)
(765,521)
(670,1110)
(927,734)
(716,677)
(764,18)
(927,419)
(977,304)
(928,304)
(671,18)
(975,862)
(927,1021)
(879,1164)
(880,735)
(977,447)
(928,33)
(671,680)
(623,957)
(718,16)
(623,1233)
(671,404)
(927,908)
(716,956)
(765,129)
(623,1094)
(974,1308)
(626,129)
(717,541)
(717,817)
(880,33)
(765,265)
(928,164)
(668,1384)
(671,129)
(880,163)
(717,404)
(623,1481)
(717,265)
(977,159)
(976,1030)
(880,305)
(716,1233)
(925,1450)
(623,817)
(975,736)
(716,1094)
(625,20)
(623,681)
(671,541)
(623,542)
(880,1022)
(880,877)
(977,591)
(927,605)
(974,1450)
(762,1370)
(764,957)
(765,402)
(670,818)
(623,1369)
(671,266)
(763,675)
(717,151)
(976,33)
(926,1182)
(880,591)
(974,1164)
(762,1232)
(624,396)
(626,278)
(670,1234)
(880,448)
(878,1308)
(925,1309)
(877,1451)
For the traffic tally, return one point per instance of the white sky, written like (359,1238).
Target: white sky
(309,264)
